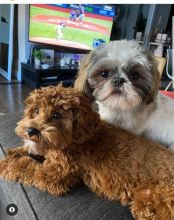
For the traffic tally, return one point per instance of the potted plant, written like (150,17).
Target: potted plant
(37,57)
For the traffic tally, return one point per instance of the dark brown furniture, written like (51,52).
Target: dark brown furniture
(37,77)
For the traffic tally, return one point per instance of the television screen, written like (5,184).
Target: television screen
(76,26)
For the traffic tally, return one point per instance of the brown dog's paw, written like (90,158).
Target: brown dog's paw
(143,206)
(13,167)
(17,152)
(3,165)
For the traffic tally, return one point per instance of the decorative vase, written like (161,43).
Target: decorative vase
(36,62)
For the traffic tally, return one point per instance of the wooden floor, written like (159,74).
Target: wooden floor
(12,97)
(2,79)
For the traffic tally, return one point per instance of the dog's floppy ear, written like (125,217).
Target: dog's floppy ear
(81,83)
(85,121)
(89,60)
(156,78)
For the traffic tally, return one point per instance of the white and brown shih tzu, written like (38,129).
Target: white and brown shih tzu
(123,79)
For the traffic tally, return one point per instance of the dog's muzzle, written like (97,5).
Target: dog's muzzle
(118,81)
(32,131)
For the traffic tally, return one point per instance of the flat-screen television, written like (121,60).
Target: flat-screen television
(83,26)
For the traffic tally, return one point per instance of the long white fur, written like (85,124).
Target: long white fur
(154,121)
(31,146)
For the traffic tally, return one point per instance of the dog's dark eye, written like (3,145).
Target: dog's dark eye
(56,116)
(104,74)
(36,110)
(135,76)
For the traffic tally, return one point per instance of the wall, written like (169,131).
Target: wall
(24,45)
(157,19)
(162,16)
(123,28)
(119,24)
(6,28)
(125,25)
(145,10)
(133,12)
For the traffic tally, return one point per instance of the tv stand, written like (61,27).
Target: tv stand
(38,77)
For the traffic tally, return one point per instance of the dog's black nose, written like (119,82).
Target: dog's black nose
(118,81)
(32,131)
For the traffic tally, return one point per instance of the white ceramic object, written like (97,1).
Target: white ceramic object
(36,62)
(45,66)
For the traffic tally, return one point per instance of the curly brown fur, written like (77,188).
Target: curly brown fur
(77,146)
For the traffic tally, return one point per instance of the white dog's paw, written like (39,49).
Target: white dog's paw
(171,147)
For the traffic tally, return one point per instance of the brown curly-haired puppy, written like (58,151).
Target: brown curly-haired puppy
(66,142)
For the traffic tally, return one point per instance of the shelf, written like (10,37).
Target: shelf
(37,77)
(160,43)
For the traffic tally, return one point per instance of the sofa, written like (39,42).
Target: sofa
(33,204)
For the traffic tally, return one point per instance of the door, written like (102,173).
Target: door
(6,40)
